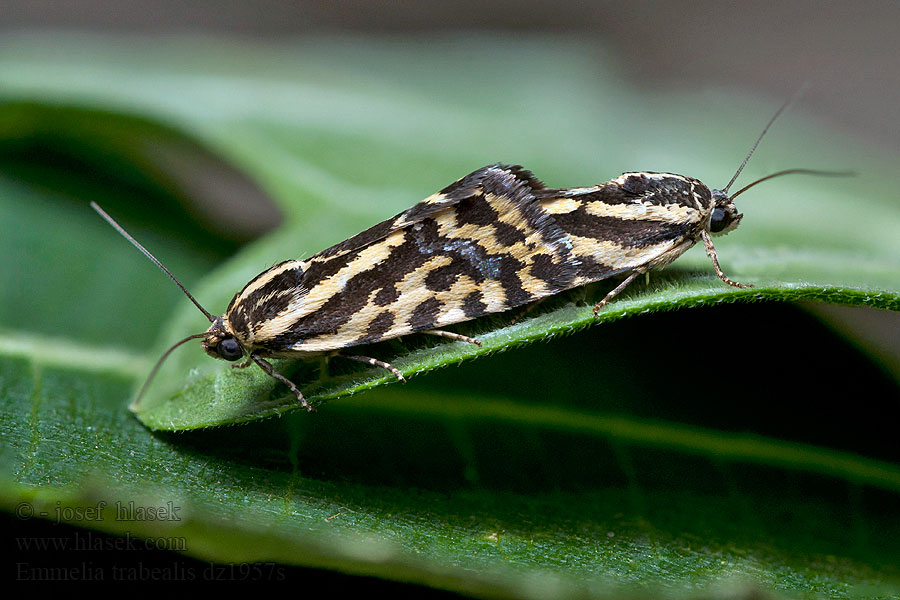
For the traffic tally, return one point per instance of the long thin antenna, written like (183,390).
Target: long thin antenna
(137,244)
(160,362)
(784,107)
(789,172)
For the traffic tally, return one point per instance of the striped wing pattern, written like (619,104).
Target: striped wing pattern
(480,246)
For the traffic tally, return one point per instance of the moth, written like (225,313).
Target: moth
(494,240)
(644,220)
(482,245)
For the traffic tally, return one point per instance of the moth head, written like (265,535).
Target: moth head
(220,342)
(725,216)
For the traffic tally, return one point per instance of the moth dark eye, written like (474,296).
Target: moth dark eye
(229,349)
(719,220)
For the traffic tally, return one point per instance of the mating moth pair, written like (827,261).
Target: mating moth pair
(494,240)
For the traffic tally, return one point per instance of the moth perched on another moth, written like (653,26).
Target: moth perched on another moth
(494,240)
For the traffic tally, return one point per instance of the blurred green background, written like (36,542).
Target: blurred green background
(728,448)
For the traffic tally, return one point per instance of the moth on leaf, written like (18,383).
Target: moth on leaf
(494,240)
(480,246)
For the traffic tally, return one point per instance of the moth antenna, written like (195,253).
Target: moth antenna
(137,245)
(160,362)
(777,114)
(789,172)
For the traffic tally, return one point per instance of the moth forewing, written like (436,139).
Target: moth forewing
(630,224)
(480,246)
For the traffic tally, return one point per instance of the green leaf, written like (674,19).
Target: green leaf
(664,454)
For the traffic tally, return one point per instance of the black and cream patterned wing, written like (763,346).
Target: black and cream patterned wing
(637,220)
(497,177)
(480,246)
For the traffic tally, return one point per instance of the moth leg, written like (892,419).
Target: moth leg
(711,252)
(270,370)
(525,311)
(244,364)
(377,363)
(453,336)
(617,290)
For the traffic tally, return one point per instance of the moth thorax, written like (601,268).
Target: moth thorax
(725,216)
(220,342)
